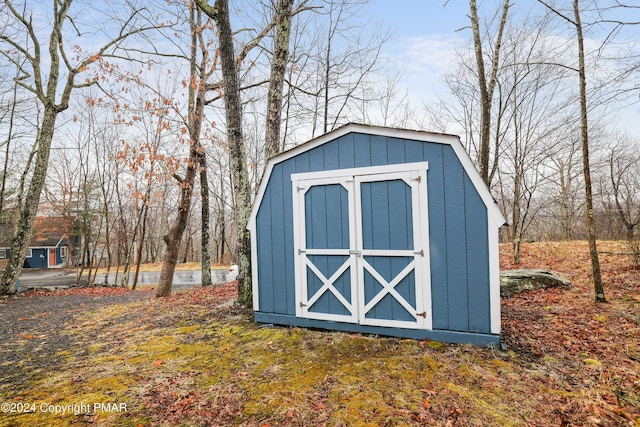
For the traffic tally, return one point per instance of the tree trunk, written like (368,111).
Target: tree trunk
(206,253)
(174,237)
(196,109)
(107,241)
(240,177)
(276,82)
(143,233)
(486,87)
(630,233)
(220,225)
(7,151)
(591,226)
(24,227)
(515,207)
(327,74)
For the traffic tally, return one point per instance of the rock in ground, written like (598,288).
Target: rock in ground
(513,282)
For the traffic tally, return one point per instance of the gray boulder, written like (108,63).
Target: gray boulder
(515,281)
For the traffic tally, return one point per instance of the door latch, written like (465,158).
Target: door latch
(355,252)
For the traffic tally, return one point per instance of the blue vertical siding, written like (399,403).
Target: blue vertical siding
(287,302)
(437,235)
(327,227)
(455,229)
(477,266)
(347,151)
(363,150)
(38,260)
(266,245)
(327,217)
(277,229)
(458,232)
(379,148)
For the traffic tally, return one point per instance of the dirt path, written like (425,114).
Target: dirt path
(33,323)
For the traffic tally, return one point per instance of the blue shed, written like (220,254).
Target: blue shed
(378,230)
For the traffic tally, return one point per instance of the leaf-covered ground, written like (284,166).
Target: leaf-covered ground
(191,360)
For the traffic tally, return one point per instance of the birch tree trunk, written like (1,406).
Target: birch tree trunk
(276,82)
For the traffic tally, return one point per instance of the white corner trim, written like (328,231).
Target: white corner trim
(494,279)
(251,226)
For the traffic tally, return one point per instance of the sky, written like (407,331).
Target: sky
(425,34)
(415,18)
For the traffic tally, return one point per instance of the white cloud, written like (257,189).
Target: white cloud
(430,55)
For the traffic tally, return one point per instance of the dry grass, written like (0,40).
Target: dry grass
(185,361)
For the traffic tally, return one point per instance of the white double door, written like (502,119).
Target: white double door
(361,245)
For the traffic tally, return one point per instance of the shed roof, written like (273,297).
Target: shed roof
(494,213)
(48,231)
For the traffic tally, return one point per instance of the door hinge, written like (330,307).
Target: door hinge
(423,314)
(302,251)
(302,305)
(418,178)
(420,252)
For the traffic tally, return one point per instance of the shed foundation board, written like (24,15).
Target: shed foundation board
(454,337)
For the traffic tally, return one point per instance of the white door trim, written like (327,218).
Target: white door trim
(415,176)
(416,179)
(302,262)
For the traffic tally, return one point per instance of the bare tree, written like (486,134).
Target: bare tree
(531,99)
(12,106)
(486,86)
(197,91)
(53,88)
(233,112)
(107,172)
(576,22)
(624,176)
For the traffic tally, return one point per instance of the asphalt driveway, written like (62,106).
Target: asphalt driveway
(63,278)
